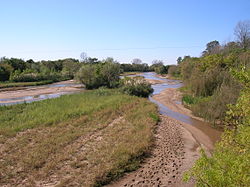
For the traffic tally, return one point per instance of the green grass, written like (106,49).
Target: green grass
(85,139)
(190,100)
(23,84)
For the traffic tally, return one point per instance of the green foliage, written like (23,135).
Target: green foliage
(97,75)
(229,164)
(135,67)
(137,86)
(174,71)
(190,100)
(88,75)
(220,78)
(5,71)
(161,69)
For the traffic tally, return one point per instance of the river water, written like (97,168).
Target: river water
(201,130)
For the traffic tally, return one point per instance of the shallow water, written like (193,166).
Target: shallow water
(213,134)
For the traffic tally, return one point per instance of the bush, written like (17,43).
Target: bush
(189,100)
(5,71)
(174,71)
(229,164)
(26,76)
(96,75)
(136,86)
(87,75)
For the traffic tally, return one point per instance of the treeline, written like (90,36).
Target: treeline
(19,70)
(217,88)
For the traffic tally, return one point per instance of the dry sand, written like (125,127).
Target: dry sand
(152,81)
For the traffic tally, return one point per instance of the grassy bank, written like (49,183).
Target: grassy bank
(23,84)
(83,139)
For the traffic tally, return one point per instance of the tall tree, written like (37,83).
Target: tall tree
(179,59)
(136,61)
(242,33)
(212,47)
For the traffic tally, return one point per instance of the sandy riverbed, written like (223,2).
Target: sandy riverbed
(202,132)
(69,87)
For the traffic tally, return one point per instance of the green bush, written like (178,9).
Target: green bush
(229,164)
(96,75)
(189,100)
(5,71)
(136,86)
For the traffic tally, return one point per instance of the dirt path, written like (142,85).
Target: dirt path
(174,152)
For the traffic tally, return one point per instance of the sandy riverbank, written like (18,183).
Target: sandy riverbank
(68,86)
(202,132)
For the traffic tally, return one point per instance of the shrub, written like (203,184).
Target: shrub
(26,76)
(136,86)
(96,75)
(88,76)
(5,71)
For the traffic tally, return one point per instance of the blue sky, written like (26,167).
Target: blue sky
(122,29)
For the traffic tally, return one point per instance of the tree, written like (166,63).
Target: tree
(70,67)
(179,60)
(213,47)
(88,76)
(92,60)
(110,73)
(83,57)
(157,62)
(136,61)
(5,71)
(242,33)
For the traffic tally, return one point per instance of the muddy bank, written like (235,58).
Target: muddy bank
(174,152)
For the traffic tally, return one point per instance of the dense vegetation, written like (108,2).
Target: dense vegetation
(17,70)
(94,136)
(217,87)
(137,86)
